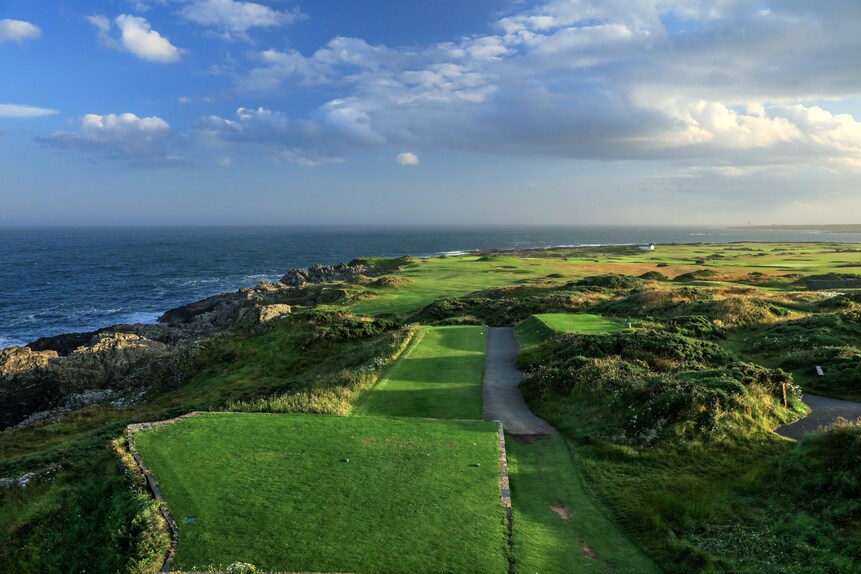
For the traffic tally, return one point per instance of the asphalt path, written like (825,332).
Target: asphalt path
(502,399)
(823,412)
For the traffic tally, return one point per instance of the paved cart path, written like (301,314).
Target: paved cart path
(502,398)
(823,411)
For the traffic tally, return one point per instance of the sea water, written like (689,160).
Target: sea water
(56,281)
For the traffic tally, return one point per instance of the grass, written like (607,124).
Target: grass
(91,516)
(538,328)
(443,277)
(275,491)
(544,475)
(439,376)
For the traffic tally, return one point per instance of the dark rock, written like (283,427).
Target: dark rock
(325,274)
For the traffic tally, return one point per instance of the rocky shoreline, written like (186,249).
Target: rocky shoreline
(120,365)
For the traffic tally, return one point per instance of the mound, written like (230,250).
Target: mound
(654,276)
(611,281)
(832,281)
(392,281)
(698,275)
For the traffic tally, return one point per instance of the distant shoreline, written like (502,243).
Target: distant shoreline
(829,228)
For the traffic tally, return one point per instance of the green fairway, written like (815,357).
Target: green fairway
(276,491)
(441,277)
(439,376)
(557,526)
(539,328)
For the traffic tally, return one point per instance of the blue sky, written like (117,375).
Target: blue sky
(123,112)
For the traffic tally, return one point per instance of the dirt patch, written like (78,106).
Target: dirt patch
(589,552)
(562,511)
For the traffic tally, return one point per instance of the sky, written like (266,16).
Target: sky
(148,112)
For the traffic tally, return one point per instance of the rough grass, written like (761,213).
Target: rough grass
(276,491)
(91,516)
(439,376)
(543,477)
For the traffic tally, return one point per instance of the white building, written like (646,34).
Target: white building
(648,247)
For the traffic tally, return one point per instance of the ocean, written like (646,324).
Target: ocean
(56,281)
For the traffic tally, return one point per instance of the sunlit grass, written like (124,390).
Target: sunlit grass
(331,494)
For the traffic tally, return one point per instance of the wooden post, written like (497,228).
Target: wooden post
(783,388)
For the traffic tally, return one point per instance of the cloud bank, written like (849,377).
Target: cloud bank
(142,142)
(725,81)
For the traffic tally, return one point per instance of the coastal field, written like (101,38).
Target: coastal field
(667,459)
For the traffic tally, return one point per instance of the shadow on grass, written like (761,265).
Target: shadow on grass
(432,370)
(464,339)
(558,526)
(446,401)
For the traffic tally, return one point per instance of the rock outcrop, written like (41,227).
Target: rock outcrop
(325,274)
(120,364)
(229,310)
(112,367)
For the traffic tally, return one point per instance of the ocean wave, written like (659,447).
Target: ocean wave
(147,318)
(6,342)
(261,277)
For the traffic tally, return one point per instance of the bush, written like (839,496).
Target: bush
(698,275)
(631,404)
(698,326)
(344,326)
(612,281)
(662,351)
(654,276)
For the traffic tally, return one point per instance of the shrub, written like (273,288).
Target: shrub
(697,326)
(654,276)
(631,404)
(698,275)
(611,281)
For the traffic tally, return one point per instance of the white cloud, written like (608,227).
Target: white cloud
(102,23)
(136,36)
(691,81)
(22,111)
(307,142)
(143,142)
(408,158)
(18,31)
(234,19)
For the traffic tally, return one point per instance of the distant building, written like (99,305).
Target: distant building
(648,247)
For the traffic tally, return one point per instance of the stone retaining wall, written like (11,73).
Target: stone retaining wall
(153,484)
